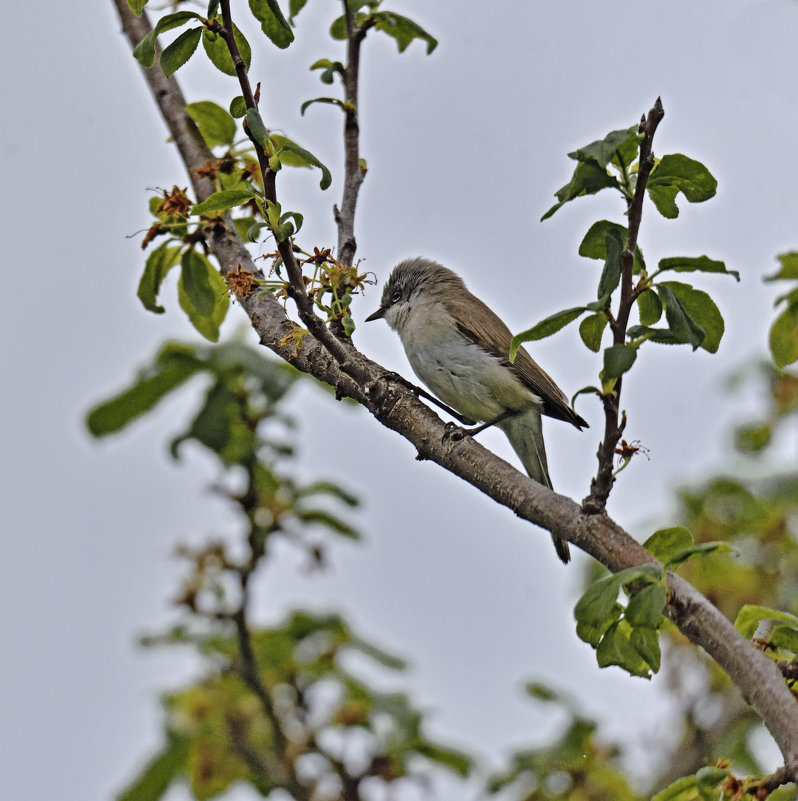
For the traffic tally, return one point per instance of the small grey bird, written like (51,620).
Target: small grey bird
(459,348)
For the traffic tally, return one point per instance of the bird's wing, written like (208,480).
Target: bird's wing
(493,336)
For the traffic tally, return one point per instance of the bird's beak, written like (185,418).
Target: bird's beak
(377,314)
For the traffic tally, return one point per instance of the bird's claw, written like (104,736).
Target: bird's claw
(453,431)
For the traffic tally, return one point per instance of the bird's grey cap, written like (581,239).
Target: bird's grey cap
(411,275)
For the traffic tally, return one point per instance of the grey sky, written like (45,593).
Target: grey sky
(465,149)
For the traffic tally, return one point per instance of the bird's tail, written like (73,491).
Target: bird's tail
(525,432)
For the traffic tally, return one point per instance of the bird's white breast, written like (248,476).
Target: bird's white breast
(459,372)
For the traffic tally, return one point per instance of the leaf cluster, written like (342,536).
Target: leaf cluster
(628,636)
(220,730)
(691,316)
(238,175)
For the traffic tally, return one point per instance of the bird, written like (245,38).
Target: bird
(459,348)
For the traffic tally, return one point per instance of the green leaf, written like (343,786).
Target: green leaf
(338,29)
(298,220)
(453,760)
(219,426)
(598,603)
(334,101)
(753,438)
(329,521)
(226,199)
(258,130)
(680,323)
(591,632)
(707,779)
(646,642)
(591,329)
(695,550)
(664,200)
(144,51)
(783,338)
(615,648)
(611,274)
(545,328)
(594,243)
(541,692)
(603,151)
(649,307)
(215,124)
(600,305)
(153,782)
(287,157)
(588,178)
(219,53)
(700,311)
(194,277)
(662,335)
(238,107)
(180,51)
(243,226)
(645,608)
(691,264)
(683,789)
(750,616)
(207,325)
(789,298)
(286,146)
(785,637)
(788,268)
(402,29)
(294,7)
(137,6)
(329,68)
(598,606)
(677,173)
(328,488)
(115,414)
(666,542)
(159,262)
(272,22)
(617,360)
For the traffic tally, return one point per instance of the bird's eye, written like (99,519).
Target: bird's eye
(397,295)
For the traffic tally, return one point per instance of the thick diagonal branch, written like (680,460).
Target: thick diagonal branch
(397,408)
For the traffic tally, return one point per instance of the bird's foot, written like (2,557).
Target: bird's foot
(453,432)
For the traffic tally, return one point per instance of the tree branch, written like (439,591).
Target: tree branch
(399,409)
(601,485)
(353,172)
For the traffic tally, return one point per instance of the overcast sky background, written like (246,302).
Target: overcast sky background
(465,149)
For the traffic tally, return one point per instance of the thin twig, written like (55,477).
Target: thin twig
(353,172)
(296,288)
(763,787)
(601,485)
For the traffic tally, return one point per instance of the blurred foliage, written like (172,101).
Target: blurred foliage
(756,512)
(575,766)
(784,331)
(276,707)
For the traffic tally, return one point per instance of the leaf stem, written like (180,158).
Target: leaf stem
(601,485)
